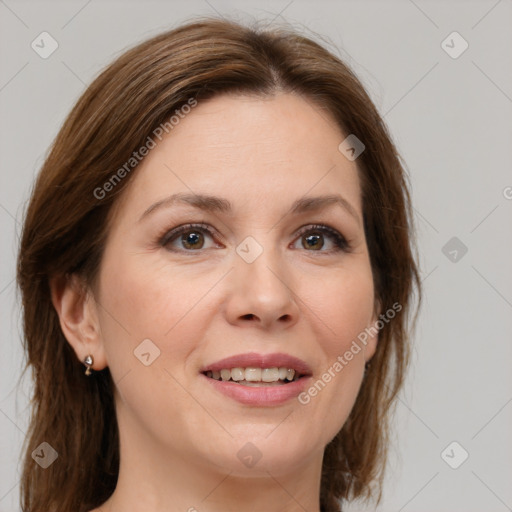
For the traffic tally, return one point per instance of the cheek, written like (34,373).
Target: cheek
(144,301)
(342,306)
(156,311)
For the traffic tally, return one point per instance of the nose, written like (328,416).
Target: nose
(261,293)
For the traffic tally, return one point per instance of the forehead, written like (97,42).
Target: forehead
(251,149)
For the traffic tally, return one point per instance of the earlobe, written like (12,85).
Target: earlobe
(77,311)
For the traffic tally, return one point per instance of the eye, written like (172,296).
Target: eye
(190,237)
(313,238)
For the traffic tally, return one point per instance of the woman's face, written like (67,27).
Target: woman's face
(253,275)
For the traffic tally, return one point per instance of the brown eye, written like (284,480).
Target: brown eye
(188,238)
(315,237)
(314,241)
(192,240)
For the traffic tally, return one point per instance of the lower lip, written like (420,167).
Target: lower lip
(259,396)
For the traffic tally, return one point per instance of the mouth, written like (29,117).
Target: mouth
(259,380)
(255,376)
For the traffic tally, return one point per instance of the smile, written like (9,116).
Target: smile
(258,380)
(253,376)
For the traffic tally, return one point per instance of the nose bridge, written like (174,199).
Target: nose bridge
(259,262)
(261,281)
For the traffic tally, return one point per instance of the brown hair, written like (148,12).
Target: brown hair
(66,225)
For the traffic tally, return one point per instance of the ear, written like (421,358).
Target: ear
(373,336)
(78,315)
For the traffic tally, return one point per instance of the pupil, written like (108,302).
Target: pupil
(311,239)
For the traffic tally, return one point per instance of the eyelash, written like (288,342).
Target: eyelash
(339,240)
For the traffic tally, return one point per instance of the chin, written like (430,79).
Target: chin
(268,449)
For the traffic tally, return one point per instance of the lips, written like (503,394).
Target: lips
(255,360)
(259,393)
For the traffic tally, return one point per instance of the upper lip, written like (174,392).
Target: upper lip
(255,360)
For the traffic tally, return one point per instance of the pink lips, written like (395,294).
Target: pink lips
(263,396)
(255,360)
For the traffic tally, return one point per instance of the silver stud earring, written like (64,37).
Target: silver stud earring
(88,361)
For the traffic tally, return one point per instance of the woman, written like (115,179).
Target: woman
(221,238)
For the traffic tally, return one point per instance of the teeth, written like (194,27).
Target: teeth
(238,374)
(252,374)
(290,374)
(225,374)
(270,374)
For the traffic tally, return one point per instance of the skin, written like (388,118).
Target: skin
(179,436)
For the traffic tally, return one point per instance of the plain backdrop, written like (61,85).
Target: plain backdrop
(450,115)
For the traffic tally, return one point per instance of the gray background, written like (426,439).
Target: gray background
(451,119)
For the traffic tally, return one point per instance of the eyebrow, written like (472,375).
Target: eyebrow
(214,204)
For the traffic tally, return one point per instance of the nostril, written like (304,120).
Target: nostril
(249,316)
